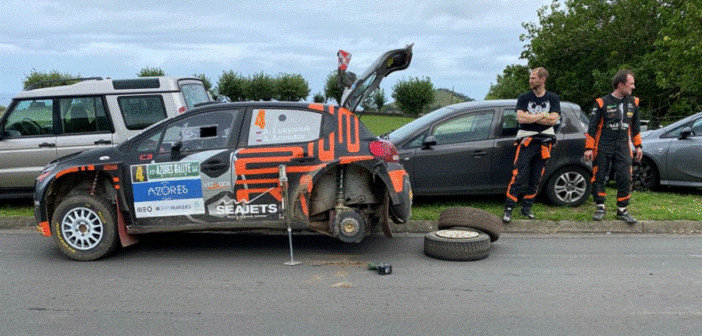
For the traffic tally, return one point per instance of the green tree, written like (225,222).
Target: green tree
(52,78)
(291,87)
(319,98)
(513,82)
(233,85)
(379,99)
(413,95)
(151,72)
(261,87)
(2,109)
(585,42)
(332,87)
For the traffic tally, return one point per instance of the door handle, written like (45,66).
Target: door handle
(479,154)
(214,165)
(103,142)
(46,144)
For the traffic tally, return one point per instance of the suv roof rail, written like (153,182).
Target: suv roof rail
(80,79)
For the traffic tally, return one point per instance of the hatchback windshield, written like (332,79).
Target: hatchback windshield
(194,94)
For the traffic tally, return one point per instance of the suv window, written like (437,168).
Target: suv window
(194,94)
(141,111)
(83,115)
(283,126)
(468,127)
(30,118)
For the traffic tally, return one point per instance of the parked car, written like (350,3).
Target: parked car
(468,149)
(41,125)
(230,166)
(672,155)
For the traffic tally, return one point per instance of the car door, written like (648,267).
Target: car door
(505,149)
(28,142)
(460,161)
(278,137)
(84,125)
(684,161)
(188,176)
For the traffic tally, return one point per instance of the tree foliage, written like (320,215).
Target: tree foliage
(379,99)
(151,72)
(319,98)
(291,87)
(52,78)
(513,82)
(414,95)
(332,87)
(585,42)
(261,87)
(233,85)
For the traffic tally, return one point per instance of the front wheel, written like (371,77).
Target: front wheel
(85,227)
(569,186)
(645,175)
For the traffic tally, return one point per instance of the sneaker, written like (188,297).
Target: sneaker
(599,213)
(507,215)
(527,213)
(625,216)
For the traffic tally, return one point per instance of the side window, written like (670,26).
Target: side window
(194,94)
(697,127)
(149,143)
(140,112)
(30,118)
(510,126)
(468,127)
(83,115)
(203,131)
(270,126)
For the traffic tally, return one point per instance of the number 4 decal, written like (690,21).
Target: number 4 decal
(261,119)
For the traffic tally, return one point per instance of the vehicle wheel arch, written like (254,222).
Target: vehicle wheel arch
(77,183)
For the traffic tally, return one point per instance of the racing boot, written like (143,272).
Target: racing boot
(527,213)
(599,213)
(507,215)
(625,216)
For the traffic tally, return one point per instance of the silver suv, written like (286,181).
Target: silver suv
(42,125)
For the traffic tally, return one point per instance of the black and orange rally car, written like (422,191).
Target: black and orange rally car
(232,166)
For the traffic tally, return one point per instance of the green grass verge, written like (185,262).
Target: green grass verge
(379,124)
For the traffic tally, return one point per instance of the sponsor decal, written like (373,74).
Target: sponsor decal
(217,185)
(167,189)
(226,207)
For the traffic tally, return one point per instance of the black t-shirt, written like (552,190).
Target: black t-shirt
(529,102)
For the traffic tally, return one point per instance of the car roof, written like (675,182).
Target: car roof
(98,85)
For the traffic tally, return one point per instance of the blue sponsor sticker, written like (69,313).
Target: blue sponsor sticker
(167,190)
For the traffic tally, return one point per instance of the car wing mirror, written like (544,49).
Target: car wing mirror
(429,142)
(686,132)
(175,151)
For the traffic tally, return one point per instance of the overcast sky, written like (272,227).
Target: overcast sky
(459,45)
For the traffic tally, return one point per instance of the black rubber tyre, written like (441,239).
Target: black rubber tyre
(569,186)
(645,175)
(461,248)
(471,218)
(85,227)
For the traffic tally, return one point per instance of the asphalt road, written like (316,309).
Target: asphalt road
(237,284)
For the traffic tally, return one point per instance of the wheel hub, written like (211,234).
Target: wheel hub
(456,234)
(82,228)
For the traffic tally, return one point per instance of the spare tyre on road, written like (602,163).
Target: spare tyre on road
(457,244)
(471,218)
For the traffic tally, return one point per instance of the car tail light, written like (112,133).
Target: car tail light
(181,109)
(384,150)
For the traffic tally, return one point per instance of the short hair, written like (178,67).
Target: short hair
(621,77)
(541,72)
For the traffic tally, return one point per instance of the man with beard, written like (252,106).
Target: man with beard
(537,111)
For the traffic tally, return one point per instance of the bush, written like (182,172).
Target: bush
(413,95)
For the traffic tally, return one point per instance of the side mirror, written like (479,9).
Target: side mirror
(175,151)
(686,132)
(429,142)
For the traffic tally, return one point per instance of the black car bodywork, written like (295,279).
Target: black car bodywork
(468,149)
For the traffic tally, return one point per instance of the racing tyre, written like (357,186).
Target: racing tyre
(85,227)
(457,245)
(645,175)
(569,186)
(471,218)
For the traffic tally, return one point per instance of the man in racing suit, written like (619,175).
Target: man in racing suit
(537,111)
(613,125)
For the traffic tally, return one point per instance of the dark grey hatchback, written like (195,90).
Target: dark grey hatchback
(468,149)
